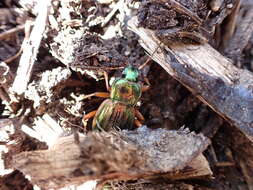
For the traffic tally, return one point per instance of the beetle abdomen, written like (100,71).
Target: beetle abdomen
(113,114)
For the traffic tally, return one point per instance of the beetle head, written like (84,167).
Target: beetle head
(130,73)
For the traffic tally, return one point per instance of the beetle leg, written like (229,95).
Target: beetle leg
(107,81)
(89,115)
(139,115)
(137,122)
(144,64)
(144,88)
(98,94)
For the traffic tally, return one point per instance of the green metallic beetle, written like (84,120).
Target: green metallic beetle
(118,111)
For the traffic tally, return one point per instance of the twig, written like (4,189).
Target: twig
(210,76)
(224,164)
(8,33)
(110,15)
(27,28)
(28,57)
(12,58)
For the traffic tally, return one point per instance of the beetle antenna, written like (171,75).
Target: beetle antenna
(149,59)
(144,64)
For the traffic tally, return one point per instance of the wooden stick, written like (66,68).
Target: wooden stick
(207,74)
(30,51)
(116,156)
(112,13)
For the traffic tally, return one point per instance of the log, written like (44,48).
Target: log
(124,155)
(207,74)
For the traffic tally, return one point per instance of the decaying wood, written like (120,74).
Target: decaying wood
(242,34)
(29,55)
(210,76)
(116,156)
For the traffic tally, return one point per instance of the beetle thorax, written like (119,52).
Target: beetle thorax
(126,91)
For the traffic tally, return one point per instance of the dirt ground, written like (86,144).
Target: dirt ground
(82,39)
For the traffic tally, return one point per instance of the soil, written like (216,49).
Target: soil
(78,46)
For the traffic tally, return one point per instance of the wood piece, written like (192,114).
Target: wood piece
(198,167)
(116,156)
(112,13)
(241,37)
(207,74)
(30,51)
(230,26)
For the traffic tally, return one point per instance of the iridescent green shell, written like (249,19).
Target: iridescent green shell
(126,91)
(118,112)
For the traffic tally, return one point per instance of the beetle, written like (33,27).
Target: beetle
(119,111)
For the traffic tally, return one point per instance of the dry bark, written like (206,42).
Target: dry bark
(207,74)
(116,156)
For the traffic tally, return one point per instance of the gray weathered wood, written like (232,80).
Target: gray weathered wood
(209,75)
(116,156)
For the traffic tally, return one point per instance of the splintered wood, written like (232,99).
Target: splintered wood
(207,74)
(29,55)
(116,156)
